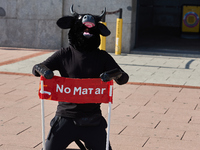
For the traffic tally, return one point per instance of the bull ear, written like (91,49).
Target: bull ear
(66,22)
(103,29)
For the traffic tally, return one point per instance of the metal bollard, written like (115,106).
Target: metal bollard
(118,40)
(103,40)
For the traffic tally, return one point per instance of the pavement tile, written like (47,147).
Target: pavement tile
(127,141)
(195,119)
(190,145)
(192,136)
(164,143)
(14,147)
(138,100)
(6,55)
(154,108)
(117,129)
(176,81)
(173,126)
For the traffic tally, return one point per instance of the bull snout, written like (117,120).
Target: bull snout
(88,21)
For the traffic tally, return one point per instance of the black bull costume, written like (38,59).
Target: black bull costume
(82,59)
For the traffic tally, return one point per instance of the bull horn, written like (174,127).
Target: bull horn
(103,13)
(72,11)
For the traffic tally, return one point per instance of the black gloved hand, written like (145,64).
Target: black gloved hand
(44,71)
(111,75)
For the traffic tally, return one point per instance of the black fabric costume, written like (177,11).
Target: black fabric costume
(80,64)
(82,59)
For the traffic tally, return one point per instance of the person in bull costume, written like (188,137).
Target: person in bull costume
(82,59)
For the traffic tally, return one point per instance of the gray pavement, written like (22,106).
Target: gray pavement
(141,68)
(158,109)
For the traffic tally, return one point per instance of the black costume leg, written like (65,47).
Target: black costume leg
(62,133)
(95,137)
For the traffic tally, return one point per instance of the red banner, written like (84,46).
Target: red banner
(76,90)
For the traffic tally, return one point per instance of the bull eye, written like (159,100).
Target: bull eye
(85,17)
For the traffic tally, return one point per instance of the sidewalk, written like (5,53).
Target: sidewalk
(158,109)
(141,68)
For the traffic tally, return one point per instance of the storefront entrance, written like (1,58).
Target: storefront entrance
(159,26)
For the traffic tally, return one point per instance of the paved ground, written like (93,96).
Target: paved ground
(158,109)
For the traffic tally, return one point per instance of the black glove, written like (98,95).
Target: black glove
(44,71)
(111,75)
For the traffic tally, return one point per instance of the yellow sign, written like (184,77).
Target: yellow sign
(190,20)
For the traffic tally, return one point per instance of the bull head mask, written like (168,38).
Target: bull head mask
(84,29)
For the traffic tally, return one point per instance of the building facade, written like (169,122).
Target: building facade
(32,24)
(147,24)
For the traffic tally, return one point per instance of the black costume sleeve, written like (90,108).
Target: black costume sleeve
(53,63)
(34,72)
(111,64)
(74,64)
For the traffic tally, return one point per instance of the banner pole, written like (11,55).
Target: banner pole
(108,132)
(109,116)
(42,115)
